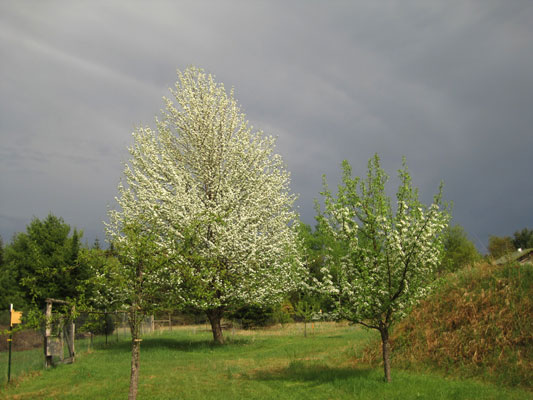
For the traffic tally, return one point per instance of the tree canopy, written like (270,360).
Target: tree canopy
(42,262)
(523,239)
(500,246)
(458,250)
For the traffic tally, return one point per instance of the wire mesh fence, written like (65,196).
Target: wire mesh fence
(93,330)
(26,349)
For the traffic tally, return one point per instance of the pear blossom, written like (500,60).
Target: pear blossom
(391,252)
(218,198)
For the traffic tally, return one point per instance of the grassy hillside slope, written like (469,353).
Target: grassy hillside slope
(479,323)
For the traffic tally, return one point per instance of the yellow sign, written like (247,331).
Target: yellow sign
(16,317)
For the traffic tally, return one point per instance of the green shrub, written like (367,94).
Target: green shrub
(97,324)
(459,251)
(253,315)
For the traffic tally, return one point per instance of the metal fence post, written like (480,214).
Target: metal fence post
(10,340)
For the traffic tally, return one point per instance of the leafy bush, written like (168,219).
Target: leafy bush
(500,246)
(253,315)
(459,251)
(523,239)
(98,324)
(283,314)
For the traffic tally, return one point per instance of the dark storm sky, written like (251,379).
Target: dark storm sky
(448,84)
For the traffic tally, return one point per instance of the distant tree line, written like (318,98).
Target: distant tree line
(50,260)
(502,245)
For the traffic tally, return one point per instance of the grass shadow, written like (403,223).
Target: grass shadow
(177,344)
(318,373)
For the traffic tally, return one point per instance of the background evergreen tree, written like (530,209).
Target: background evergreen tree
(523,239)
(43,261)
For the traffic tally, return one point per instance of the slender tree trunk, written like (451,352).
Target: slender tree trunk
(386,352)
(135,355)
(215,316)
(134,379)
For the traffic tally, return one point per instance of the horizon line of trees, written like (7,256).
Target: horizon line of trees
(50,259)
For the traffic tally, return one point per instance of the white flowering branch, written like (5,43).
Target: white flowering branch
(390,253)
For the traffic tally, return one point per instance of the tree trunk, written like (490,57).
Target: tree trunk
(386,352)
(134,379)
(215,316)
(135,355)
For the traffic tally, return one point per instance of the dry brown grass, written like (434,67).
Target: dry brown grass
(293,328)
(480,323)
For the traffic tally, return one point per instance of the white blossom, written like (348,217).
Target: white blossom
(391,252)
(217,197)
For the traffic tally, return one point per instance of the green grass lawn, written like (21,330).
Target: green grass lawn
(265,364)
(23,362)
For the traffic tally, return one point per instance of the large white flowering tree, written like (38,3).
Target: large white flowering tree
(218,198)
(390,253)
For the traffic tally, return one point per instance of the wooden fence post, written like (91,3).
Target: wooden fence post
(61,338)
(71,333)
(47,335)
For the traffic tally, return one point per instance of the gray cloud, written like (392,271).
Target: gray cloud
(447,84)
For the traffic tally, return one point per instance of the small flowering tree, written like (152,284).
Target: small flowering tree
(389,253)
(138,279)
(218,199)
